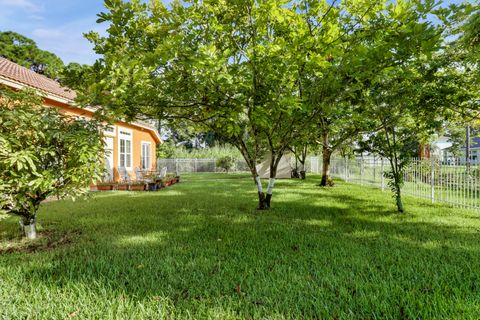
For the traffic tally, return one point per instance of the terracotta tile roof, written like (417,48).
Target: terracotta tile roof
(25,77)
(13,71)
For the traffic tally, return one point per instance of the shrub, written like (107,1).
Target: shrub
(43,153)
(227,163)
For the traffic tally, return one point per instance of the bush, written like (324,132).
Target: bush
(43,153)
(227,163)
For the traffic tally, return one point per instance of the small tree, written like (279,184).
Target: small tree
(43,153)
(226,162)
(166,149)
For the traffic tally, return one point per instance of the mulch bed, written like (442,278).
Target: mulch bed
(46,240)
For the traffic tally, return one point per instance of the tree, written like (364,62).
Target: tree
(256,73)
(236,68)
(43,154)
(225,66)
(399,131)
(361,54)
(24,51)
(411,104)
(166,149)
(470,33)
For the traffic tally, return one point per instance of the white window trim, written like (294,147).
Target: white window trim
(125,137)
(141,150)
(110,134)
(130,131)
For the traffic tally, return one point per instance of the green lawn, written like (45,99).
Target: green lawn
(199,250)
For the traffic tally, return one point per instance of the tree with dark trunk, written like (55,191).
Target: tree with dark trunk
(300,152)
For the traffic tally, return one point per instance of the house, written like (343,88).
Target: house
(440,149)
(474,152)
(129,145)
(443,151)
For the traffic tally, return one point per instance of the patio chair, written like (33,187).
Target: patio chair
(124,176)
(140,177)
(162,173)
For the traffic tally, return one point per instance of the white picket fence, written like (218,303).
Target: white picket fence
(197,165)
(430,179)
(191,165)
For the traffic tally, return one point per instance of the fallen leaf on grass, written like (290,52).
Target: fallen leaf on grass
(237,288)
(73,314)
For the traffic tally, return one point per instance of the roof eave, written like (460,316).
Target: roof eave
(19,85)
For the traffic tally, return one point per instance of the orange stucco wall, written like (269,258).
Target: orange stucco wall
(139,135)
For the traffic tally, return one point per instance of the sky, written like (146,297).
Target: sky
(55,25)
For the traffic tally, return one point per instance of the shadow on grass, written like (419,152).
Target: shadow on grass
(207,252)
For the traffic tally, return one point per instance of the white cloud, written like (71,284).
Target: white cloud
(47,33)
(25,4)
(11,10)
(67,40)
(58,30)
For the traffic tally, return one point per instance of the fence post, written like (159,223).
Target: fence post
(361,169)
(432,178)
(195,165)
(346,169)
(382,183)
(176,166)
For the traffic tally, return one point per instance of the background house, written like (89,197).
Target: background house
(443,150)
(129,145)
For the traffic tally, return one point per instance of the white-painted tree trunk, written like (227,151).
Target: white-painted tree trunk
(261,195)
(29,230)
(259,184)
(271,183)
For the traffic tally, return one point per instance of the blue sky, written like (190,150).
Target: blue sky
(55,25)
(58,25)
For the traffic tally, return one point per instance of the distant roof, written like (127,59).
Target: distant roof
(25,76)
(475,142)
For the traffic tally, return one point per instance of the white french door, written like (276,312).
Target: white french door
(108,159)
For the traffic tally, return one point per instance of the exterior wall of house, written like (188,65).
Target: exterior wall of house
(139,136)
(56,96)
(136,134)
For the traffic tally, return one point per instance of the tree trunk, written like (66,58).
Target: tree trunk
(303,174)
(268,199)
(397,189)
(262,205)
(274,161)
(326,156)
(251,162)
(303,159)
(29,226)
(398,200)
